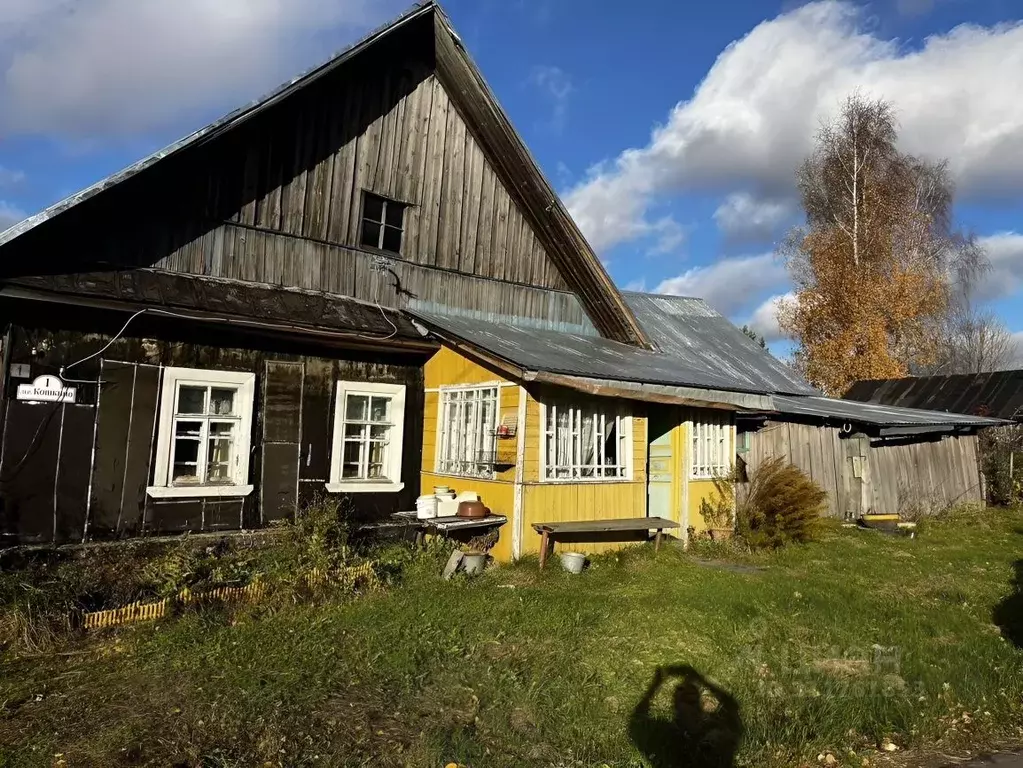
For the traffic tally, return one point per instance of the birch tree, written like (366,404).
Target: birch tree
(870,266)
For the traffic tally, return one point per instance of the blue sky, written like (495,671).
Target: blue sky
(671,129)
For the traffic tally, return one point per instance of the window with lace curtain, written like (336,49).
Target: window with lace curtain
(467,431)
(586,442)
(712,446)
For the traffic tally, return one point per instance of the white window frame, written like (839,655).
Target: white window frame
(576,410)
(391,482)
(711,445)
(173,378)
(483,439)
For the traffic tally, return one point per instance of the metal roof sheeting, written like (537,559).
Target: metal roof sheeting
(998,394)
(689,331)
(577,355)
(877,415)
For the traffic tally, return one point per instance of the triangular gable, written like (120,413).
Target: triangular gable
(490,143)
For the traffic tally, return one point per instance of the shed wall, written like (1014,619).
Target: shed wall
(863,475)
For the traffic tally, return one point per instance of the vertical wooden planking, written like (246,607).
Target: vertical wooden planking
(367,147)
(484,229)
(418,120)
(250,180)
(384,171)
(344,116)
(320,162)
(293,191)
(499,237)
(471,201)
(408,138)
(433,173)
(268,212)
(449,223)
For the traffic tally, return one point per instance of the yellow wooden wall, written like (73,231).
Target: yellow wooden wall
(697,490)
(448,368)
(591,500)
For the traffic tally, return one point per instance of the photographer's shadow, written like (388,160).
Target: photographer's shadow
(703,730)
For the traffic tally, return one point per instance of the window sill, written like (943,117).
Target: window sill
(364,487)
(486,479)
(197,491)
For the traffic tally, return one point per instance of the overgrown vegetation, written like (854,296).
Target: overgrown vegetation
(1001,454)
(829,647)
(39,602)
(776,504)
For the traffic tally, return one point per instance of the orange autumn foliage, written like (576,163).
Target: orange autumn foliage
(869,268)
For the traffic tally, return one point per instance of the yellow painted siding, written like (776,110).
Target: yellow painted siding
(698,490)
(448,368)
(545,502)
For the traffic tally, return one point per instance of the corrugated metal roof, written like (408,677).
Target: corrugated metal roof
(878,415)
(578,355)
(999,393)
(213,129)
(692,333)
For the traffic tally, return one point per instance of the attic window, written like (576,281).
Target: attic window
(382,223)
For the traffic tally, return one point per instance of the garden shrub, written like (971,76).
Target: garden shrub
(779,505)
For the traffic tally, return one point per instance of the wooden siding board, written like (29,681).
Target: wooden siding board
(473,187)
(449,224)
(320,177)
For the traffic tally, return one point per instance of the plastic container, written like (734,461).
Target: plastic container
(426,507)
(573,562)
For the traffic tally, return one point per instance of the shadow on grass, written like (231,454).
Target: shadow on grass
(703,731)
(1008,614)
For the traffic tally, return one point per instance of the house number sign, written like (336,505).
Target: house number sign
(46,389)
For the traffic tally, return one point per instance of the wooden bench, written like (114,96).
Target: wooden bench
(630,524)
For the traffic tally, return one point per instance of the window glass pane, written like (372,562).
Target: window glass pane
(356,408)
(376,459)
(353,431)
(392,240)
(222,402)
(370,234)
(191,399)
(373,208)
(379,432)
(611,442)
(350,460)
(380,409)
(186,453)
(218,457)
(395,214)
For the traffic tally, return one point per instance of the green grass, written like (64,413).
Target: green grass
(544,669)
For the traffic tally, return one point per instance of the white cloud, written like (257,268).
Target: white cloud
(10,178)
(556,87)
(764,319)
(752,119)
(745,218)
(730,285)
(9,215)
(118,67)
(1005,277)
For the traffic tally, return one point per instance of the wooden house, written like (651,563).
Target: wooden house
(361,285)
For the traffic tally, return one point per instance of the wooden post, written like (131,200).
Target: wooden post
(544,540)
(657,541)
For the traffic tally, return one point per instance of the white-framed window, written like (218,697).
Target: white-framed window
(584,442)
(712,445)
(203,433)
(369,424)
(467,430)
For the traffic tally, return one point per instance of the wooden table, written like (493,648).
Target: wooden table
(629,524)
(445,525)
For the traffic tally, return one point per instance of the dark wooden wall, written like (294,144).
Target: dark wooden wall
(864,475)
(74,472)
(278,201)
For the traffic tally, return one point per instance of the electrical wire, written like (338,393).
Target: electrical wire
(152,310)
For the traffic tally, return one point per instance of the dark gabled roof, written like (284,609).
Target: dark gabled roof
(504,148)
(575,354)
(998,394)
(691,333)
(835,410)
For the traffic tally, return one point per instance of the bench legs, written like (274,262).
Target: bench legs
(544,545)
(657,541)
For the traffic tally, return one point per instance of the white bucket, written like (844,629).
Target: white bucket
(573,562)
(474,563)
(426,507)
